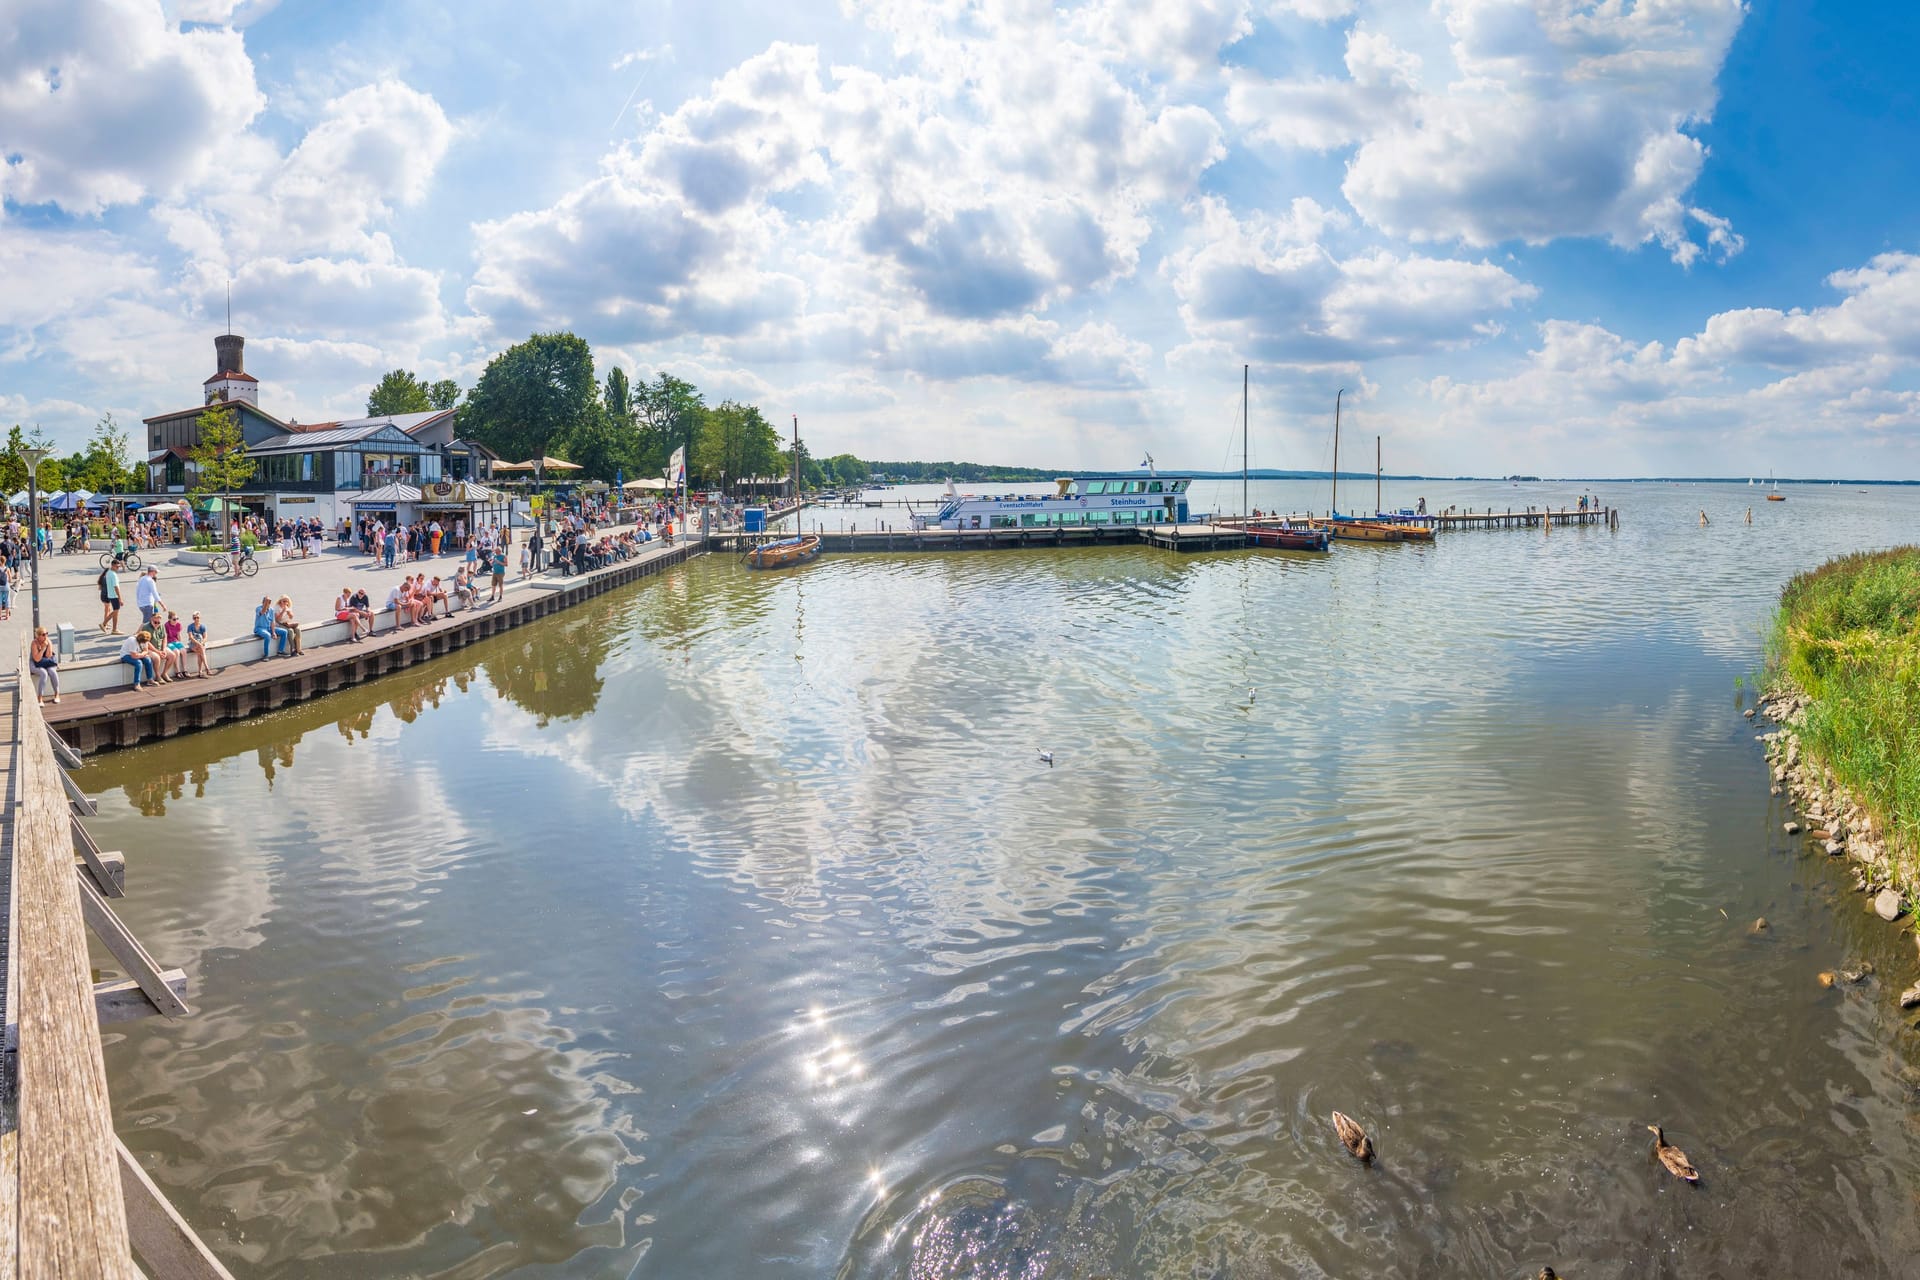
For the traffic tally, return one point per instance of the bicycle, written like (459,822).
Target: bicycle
(127,560)
(244,565)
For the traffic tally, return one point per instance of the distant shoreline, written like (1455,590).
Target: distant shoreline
(1038,475)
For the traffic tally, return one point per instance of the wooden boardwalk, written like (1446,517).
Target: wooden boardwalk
(1184,537)
(1527,518)
(123,716)
(73,1201)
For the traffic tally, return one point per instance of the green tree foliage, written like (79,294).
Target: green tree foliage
(106,466)
(603,449)
(13,472)
(398,392)
(618,399)
(220,460)
(532,396)
(734,443)
(669,414)
(845,469)
(444,394)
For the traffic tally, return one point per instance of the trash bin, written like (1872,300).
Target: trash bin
(66,639)
(756,520)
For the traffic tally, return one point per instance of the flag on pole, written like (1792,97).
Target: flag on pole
(678,465)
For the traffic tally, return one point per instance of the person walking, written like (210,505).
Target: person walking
(390,545)
(146,594)
(110,598)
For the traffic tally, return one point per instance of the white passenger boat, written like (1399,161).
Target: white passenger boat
(1094,498)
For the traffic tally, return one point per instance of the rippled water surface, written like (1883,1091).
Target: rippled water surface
(732,925)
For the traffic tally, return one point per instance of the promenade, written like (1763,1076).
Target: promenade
(69,591)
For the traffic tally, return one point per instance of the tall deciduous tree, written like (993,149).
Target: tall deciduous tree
(220,460)
(109,467)
(398,392)
(669,413)
(444,394)
(618,399)
(532,395)
(735,443)
(13,472)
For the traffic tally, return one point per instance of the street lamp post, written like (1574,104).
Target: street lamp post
(33,456)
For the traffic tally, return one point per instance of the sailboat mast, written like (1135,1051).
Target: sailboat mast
(1376,475)
(1245,509)
(1336,450)
(796,473)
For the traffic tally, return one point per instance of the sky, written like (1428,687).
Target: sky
(1664,237)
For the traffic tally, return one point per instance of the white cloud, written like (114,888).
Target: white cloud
(1270,286)
(1558,120)
(105,103)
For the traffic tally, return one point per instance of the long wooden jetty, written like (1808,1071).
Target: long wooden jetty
(121,716)
(1168,537)
(1526,518)
(73,1200)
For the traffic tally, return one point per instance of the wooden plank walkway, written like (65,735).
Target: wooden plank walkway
(121,717)
(1186,537)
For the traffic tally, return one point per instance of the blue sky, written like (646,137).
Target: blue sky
(1664,237)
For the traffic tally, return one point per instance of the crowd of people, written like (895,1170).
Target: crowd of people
(164,649)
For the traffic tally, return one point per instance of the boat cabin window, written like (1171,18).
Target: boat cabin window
(1154,486)
(1096,486)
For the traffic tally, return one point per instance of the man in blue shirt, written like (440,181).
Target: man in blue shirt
(265,628)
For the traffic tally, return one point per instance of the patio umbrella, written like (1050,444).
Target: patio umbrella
(162,508)
(18,500)
(645,484)
(556,464)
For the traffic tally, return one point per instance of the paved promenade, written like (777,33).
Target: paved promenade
(70,592)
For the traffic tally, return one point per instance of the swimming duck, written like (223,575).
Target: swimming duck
(1353,1137)
(1673,1157)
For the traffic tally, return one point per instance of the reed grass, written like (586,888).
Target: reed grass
(1848,635)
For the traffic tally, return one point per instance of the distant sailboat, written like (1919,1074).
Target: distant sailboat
(1776,495)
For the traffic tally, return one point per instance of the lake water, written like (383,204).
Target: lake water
(731,925)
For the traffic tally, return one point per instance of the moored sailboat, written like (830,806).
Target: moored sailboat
(1285,535)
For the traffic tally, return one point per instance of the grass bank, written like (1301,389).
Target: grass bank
(1847,636)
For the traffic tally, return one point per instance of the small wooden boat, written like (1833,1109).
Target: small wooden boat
(1293,538)
(785,553)
(1348,529)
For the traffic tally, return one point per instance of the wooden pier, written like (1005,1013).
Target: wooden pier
(1167,537)
(73,1200)
(1527,518)
(122,716)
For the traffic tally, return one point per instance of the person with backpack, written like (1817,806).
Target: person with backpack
(109,581)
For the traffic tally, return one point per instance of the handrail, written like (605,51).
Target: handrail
(71,1215)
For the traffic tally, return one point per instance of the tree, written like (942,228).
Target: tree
(618,399)
(669,414)
(602,449)
(51,477)
(735,443)
(531,396)
(444,394)
(107,466)
(220,460)
(845,469)
(398,392)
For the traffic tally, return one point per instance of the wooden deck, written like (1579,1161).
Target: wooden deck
(1608,517)
(73,1202)
(1184,537)
(121,717)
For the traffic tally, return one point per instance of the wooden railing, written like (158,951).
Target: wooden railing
(61,1208)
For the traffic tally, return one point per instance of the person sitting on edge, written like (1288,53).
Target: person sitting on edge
(359,622)
(268,631)
(132,652)
(400,605)
(156,658)
(176,645)
(283,615)
(417,602)
(437,594)
(197,646)
(46,665)
(360,601)
(461,592)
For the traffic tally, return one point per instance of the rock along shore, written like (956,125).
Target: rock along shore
(1833,820)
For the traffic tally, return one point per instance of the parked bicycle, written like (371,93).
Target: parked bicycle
(242,565)
(127,560)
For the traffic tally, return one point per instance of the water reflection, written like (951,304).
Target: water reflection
(732,925)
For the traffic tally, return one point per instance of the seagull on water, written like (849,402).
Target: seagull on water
(1046,756)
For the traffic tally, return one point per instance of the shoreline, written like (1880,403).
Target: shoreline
(107,718)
